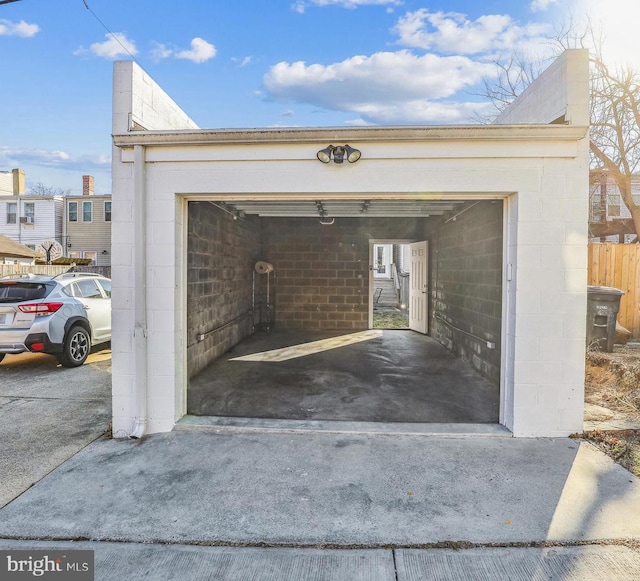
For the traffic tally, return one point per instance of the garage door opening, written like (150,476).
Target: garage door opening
(298,340)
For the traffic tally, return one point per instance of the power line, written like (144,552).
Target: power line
(86,5)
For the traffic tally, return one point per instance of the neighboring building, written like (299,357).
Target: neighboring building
(503,208)
(11,252)
(12,182)
(30,220)
(609,217)
(88,225)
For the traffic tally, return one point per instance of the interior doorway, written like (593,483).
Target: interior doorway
(398,285)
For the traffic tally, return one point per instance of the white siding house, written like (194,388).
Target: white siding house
(30,220)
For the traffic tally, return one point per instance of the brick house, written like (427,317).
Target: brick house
(498,214)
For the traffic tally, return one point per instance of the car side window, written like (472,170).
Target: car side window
(71,290)
(87,289)
(106,287)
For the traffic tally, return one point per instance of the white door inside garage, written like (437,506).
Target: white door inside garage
(419,290)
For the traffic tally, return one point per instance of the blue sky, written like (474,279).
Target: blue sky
(250,63)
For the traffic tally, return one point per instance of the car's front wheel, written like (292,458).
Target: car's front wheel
(76,348)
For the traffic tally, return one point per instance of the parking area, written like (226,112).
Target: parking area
(48,413)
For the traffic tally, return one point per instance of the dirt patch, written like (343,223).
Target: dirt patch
(613,382)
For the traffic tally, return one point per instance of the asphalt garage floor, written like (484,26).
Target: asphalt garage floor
(382,376)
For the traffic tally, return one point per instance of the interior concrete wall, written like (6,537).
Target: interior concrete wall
(466,286)
(221,255)
(322,271)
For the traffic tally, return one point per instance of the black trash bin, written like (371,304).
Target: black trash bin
(603,304)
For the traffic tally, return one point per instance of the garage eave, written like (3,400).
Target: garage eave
(369,134)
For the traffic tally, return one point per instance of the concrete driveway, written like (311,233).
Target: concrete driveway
(214,504)
(48,413)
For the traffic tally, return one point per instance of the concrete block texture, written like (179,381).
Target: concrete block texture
(466,286)
(222,253)
(322,271)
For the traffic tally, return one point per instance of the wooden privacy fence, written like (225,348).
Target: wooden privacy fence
(10,269)
(618,266)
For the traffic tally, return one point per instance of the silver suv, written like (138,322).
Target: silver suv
(63,315)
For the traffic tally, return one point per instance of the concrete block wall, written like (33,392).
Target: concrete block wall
(466,286)
(322,271)
(139,103)
(221,255)
(560,94)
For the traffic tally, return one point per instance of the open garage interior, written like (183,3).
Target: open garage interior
(283,298)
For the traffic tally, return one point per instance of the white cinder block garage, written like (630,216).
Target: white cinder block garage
(502,208)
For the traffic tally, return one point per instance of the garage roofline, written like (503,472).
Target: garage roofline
(369,134)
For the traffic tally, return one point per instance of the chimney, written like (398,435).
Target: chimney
(18,181)
(87,185)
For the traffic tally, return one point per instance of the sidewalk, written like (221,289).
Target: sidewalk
(117,561)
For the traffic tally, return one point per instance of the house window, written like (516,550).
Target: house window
(30,212)
(12,212)
(73,211)
(613,205)
(75,254)
(107,211)
(87,211)
(93,255)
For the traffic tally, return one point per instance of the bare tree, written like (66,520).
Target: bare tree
(615,128)
(40,189)
(615,109)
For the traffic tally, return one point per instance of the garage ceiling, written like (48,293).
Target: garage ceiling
(343,208)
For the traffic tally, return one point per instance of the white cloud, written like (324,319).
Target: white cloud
(453,33)
(387,85)
(117,45)
(22,28)
(53,159)
(541,5)
(243,62)
(201,51)
(420,112)
(160,51)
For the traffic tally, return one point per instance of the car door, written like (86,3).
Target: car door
(97,307)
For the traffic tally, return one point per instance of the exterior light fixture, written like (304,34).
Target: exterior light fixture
(338,152)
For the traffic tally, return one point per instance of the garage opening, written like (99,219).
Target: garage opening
(281,310)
